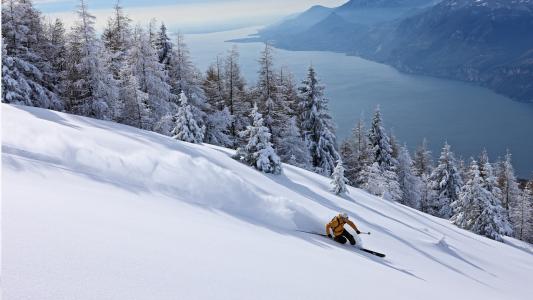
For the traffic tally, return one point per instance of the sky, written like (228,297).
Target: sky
(187,15)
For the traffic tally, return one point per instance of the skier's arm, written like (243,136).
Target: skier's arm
(353,226)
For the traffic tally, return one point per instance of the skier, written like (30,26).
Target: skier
(339,233)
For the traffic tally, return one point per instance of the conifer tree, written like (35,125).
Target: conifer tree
(507,182)
(217,127)
(478,210)
(486,171)
(213,86)
(117,39)
(382,164)
(135,110)
(357,154)
(511,196)
(423,162)
(185,77)
(187,128)
(338,181)
(235,96)
(380,143)
(56,54)
(522,214)
(270,95)
(395,147)
(152,81)
(422,167)
(292,148)
(90,87)
(27,76)
(163,46)
(258,151)
(317,125)
(219,118)
(349,157)
(445,184)
(410,184)
(266,86)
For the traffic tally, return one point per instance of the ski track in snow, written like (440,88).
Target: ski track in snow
(98,210)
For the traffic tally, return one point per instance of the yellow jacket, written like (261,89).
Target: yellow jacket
(337,225)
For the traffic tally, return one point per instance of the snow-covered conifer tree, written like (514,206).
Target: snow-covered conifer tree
(409,182)
(478,210)
(445,184)
(381,156)
(28,77)
(507,183)
(338,181)
(373,182)
(185,77)
(258,151)
(187,128)
(91,89)
(380,143)
(135,110)
(164,46)
(423,162)
(266,86)
(56,54)
(395,147)
(422,166)
(362,154)
(219,119)
(522,214)
(348,156)
(287,97)
(317,125)
(217,127)
(269,93)
(152,81)
(292,147)
(486,171)
(213,85)
(235,95)
(117,39)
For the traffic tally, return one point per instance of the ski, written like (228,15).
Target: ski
(372,252)
(362,249)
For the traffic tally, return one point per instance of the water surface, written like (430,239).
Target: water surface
(469,117)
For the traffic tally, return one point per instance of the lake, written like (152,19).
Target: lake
(469,117)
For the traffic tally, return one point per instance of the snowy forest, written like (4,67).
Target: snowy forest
(140,76)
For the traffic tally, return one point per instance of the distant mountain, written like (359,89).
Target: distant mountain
(332,33)
(356,4)
(361,12)
(489,42)
(485,41)
(297,24)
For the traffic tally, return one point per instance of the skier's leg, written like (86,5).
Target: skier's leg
(340,239)
(350,237)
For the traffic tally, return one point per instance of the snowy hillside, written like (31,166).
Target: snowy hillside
(97,210)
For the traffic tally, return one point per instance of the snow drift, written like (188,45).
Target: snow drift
(98,210)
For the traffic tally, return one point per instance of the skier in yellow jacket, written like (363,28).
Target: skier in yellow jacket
(339,233)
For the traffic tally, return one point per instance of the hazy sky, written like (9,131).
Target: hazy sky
(187,14)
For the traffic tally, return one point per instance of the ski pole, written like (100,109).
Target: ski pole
(365,233)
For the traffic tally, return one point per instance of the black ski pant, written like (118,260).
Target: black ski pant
(343,236)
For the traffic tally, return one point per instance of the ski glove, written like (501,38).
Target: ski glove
(358,232)
(329,235)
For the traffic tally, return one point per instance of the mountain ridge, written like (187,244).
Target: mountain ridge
(486,42)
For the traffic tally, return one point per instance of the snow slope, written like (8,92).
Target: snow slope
(97,210)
